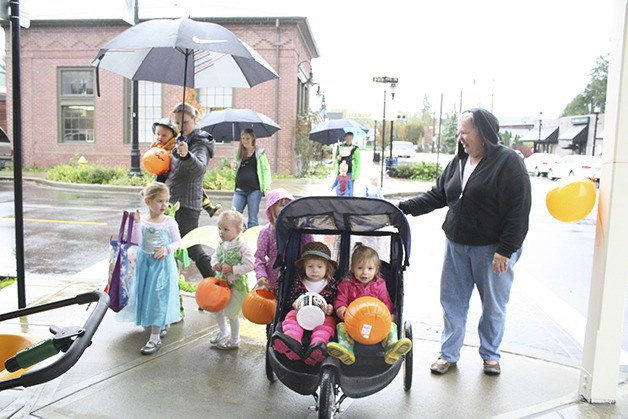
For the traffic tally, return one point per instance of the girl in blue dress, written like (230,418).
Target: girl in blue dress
(156,286)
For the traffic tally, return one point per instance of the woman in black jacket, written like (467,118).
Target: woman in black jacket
(487,190)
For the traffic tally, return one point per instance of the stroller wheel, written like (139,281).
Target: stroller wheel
(270,374)
(407,366)
(327,398)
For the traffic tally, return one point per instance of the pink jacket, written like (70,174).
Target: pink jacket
(350,288)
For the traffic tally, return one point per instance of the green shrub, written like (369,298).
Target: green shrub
(97,175)
(419,171)
(221,178)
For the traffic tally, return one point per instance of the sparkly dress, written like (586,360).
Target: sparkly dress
(156,284)
(239,254)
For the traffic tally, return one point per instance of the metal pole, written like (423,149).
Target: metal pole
(597,114)
(440,120)
(17,152)
(540,125)
(135,125)
(381,167)
(392,126)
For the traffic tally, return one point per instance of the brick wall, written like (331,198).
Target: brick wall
(48,46)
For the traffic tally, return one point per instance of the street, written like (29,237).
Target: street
(67,231)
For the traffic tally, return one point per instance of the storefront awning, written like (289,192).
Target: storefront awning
(548,135)
(577,134)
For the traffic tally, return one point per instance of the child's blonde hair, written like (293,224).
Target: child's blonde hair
(362,253)
(231,217)
(153,189)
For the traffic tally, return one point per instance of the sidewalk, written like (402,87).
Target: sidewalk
(113,380)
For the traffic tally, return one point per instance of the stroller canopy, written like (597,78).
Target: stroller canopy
(337,215)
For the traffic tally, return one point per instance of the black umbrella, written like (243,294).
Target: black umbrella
(334,130)
(227,124)
(186,53)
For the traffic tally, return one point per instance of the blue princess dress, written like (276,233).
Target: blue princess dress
(156,285)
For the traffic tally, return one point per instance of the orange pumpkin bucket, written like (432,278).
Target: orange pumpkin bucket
(156,161)
(368,320)
(259,306)
(212,294)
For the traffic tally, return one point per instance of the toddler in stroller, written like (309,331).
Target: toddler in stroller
(316,276)
(364,280)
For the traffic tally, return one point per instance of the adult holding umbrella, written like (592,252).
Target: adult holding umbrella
(187,53)
(252,176)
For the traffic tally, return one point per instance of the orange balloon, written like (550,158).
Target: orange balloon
(368,320)
(259,306)
(156,161)
(212,294)
(571,200)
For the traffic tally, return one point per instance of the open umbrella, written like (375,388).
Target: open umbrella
(186,53)
(227,124)
(334,130)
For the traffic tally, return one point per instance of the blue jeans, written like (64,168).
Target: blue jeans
(464,268)
(251,199)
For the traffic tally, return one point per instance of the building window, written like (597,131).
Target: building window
(214,98)
(76,104)
(149,109)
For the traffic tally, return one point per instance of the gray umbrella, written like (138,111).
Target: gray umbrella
(227,124)
(186,53)
(334,130)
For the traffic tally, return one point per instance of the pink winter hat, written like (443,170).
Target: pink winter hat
(275,196)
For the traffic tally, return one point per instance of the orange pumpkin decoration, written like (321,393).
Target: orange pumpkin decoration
(156,161)
(368,320)
(259,306)
(212,294)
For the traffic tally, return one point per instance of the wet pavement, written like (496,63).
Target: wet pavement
(189,378)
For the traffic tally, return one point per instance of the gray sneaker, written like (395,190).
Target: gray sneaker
(150,347)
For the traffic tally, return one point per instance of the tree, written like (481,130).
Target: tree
(595,91)
(449,139)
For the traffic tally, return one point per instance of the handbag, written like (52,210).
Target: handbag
(121,264)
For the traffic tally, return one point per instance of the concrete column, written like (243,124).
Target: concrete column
(600,363)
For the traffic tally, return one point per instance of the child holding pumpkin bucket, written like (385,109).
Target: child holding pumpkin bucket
(364,280)
(232,260)
(318,277)
(166,137)
(266,253)
(155,285)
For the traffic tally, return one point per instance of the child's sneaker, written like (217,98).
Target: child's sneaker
(225,344)
(315,354)
(216,337)
(287,346)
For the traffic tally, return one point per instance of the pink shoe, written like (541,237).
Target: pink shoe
(315,354)
(285,345)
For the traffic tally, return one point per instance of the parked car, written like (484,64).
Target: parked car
(576,165)
(539,163)
(404,151)
(6,149)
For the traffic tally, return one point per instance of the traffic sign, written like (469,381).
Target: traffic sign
(385,79)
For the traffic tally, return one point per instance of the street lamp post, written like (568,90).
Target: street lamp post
(393,84)
(596,110)
(540,125)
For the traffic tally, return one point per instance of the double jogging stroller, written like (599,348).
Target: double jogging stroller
(340,222)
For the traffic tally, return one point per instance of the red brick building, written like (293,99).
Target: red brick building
(63,118)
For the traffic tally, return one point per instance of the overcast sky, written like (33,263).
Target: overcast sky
(516,57)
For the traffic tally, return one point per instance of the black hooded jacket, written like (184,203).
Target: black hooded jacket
(495,205)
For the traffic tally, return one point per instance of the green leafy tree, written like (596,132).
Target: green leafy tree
(449,138)
(304,149)
(595,91)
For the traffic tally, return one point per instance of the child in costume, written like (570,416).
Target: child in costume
(364,280)
(317,276)
(232,260)
(343,183)
(155,285)
(373,190)
(266,252)
(166,137)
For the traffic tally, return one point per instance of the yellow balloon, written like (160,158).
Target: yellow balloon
(571,200)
